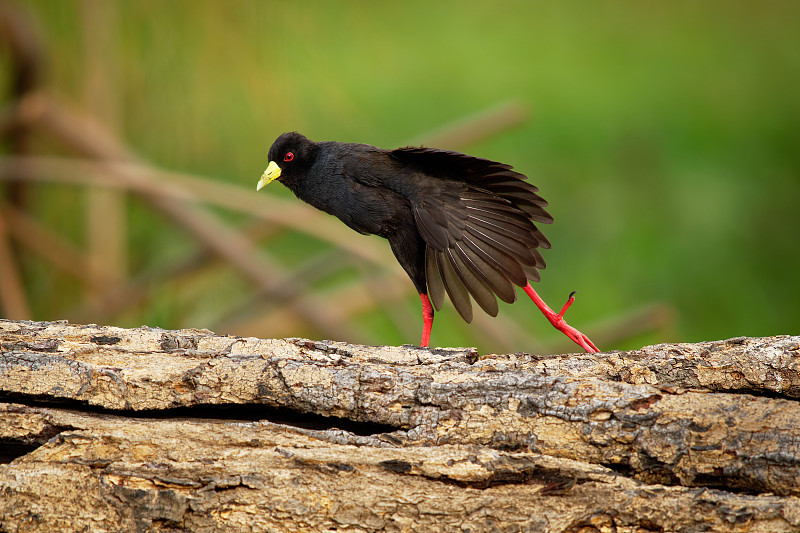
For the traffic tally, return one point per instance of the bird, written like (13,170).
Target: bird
(459,225)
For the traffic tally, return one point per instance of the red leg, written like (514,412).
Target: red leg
(427,320)
(558,320)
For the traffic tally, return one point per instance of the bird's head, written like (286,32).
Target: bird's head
(289,157)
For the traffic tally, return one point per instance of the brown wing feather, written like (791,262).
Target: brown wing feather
(491,272)
(477,218)
(434,278)
(474,283)
(458,293)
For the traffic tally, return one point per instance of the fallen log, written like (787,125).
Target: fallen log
(105,428)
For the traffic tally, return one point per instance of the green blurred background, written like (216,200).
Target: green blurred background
(666,137)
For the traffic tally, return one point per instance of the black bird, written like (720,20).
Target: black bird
(456,223)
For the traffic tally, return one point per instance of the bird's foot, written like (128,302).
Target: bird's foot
(558,322)
(579,338)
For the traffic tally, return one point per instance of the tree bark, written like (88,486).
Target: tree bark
(105,428)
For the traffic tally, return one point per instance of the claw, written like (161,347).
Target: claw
(557,320)
(570,300)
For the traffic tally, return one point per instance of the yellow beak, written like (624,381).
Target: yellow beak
(273,172)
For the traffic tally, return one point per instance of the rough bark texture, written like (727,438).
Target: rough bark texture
(105,428)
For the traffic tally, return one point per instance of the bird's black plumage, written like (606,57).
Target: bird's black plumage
(458,224)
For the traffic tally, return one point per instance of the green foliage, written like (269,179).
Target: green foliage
(665,135)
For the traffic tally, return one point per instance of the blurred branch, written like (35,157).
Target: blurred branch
(134,291)
(26,72)
(474,128)
(22,112)
(83,134)
(12,296)
(150,181)
(26,231)
(186,188)
(294,286)
(24,45)
(106,219)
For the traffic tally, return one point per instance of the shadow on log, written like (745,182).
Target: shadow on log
(104,428)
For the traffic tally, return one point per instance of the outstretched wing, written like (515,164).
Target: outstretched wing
(477,218)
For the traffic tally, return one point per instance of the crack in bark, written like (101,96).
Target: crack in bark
(249,412)
(11,449)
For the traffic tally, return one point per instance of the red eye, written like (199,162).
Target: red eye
(288,157)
